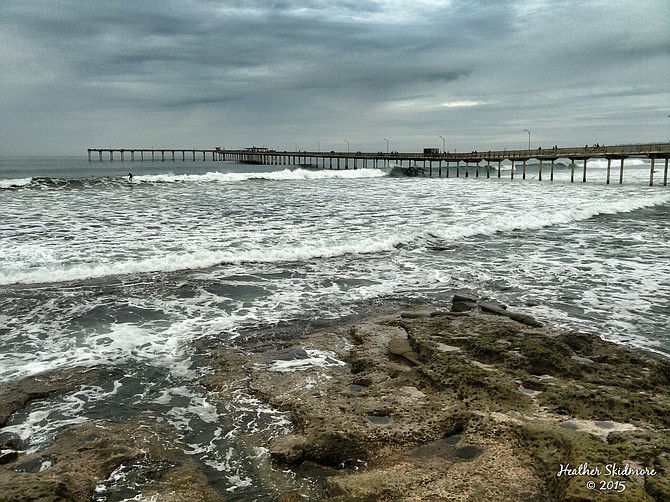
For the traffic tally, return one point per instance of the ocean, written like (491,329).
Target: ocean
(145,276)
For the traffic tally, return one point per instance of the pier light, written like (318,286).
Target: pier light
(387,146)
(347,145)
(528,137)
(444,143)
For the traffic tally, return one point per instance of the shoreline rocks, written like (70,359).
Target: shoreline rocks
(473,406)
(89,459)
(423,404)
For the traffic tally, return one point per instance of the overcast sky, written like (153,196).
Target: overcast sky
(76,74)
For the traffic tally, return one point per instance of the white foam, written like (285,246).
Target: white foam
(253,252)
(238,482)
(602,164)
(122,343)
(46,417)
(15,183)
(198,406)
(286,174)
(119,477)
(198,259)
(544,218)
(262,233)
(316,358)
(320,231)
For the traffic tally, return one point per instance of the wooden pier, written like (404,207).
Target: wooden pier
(429,163)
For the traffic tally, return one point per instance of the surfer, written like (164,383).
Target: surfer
(130,177)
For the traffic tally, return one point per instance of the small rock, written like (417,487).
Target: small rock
(416,314)
(485,367)
(289,448)
(413,392)
(462,306)
(493,308)
(526,319)
(463,303)
(529,392)
(443,347)
(463,298)
(7,456)
(401,347)
(356,387)
(439,313)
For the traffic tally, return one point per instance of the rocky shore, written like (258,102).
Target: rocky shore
(474,403)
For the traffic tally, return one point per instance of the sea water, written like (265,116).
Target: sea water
(142,277)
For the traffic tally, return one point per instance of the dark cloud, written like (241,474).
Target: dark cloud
(256,71)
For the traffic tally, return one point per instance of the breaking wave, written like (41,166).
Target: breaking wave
(305,250)
(43,182)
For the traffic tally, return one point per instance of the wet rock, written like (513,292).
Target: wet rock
(493,308)
(444,450)
(463,303)
(581,359)
(518,317)
(289,448)
(527,319)
(83,458)
(354,387)
(33,464)
(488,410)
(16,394)
(401,347)
(7,456)
(292,354)
(438,313)
(442,248)
(461,297)
(416,314)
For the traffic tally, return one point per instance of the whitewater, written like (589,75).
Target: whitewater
(144,276)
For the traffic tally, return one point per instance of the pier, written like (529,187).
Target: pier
(430,162)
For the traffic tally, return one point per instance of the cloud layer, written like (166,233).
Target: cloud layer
(200,73)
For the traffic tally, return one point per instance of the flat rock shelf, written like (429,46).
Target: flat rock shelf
(472,404)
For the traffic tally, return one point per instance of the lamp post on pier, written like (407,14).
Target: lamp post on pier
(528,137)
(386,160)
(346,160)
(444,142)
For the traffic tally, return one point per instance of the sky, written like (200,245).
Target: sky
(312,75)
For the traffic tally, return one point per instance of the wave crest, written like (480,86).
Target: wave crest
(286,174)
(15,183)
